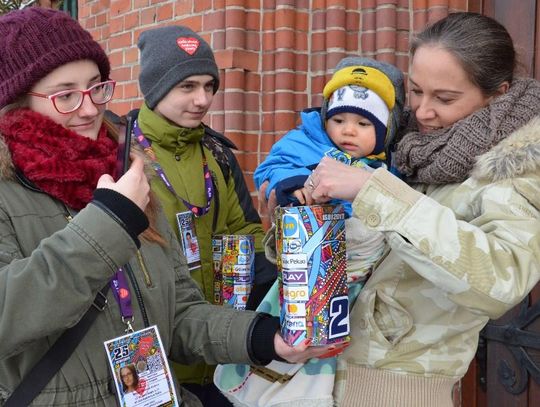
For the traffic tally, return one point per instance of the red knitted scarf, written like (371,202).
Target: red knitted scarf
(59,161)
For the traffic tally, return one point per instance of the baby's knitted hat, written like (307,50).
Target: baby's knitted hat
(365,91)
(396,77)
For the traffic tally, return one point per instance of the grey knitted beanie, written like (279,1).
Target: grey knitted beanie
(169,55)
(396,77)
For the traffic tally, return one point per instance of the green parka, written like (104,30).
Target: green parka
(50,272)
(178,151)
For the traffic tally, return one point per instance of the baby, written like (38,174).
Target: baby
(352,127)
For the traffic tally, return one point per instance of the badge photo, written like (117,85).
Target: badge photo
(140,369)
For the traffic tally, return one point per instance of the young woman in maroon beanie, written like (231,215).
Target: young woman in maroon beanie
(68,230)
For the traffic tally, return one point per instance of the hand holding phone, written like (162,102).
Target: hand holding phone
(133,184)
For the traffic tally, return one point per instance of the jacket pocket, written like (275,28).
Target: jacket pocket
(389,320)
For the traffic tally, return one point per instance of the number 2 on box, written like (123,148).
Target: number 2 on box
(338,325)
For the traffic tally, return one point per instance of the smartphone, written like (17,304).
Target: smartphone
(124,145)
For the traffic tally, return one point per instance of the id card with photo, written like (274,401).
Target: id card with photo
(141,373)
(188,239)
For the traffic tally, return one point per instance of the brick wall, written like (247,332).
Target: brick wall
(274,55)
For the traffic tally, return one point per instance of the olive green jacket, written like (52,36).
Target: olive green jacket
(178,151)
(50,272)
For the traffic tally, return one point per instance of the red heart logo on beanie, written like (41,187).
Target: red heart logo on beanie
(188,44)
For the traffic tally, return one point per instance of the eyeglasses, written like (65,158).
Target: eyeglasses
(67,101)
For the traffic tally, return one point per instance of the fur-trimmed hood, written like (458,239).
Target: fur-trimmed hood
(516,155)
(7,171)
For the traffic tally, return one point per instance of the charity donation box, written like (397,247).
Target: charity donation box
(311,261)
(234,269)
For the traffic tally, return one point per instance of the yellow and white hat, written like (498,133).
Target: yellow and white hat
(365,91)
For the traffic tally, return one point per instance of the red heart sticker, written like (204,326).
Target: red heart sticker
(123,293)
(141,387)
(188,44)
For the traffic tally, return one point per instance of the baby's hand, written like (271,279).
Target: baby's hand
(269,205)
(303,196)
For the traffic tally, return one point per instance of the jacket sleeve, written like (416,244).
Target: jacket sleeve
(485,255)
(48,290)
(206,332)
(289,157)
(286,188)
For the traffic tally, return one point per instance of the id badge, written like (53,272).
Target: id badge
(188,239)
(140,369)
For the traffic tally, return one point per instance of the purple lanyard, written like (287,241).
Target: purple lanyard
(122,295)
(208,184)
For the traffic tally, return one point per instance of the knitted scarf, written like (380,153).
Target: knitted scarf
(57,160)
(448,155)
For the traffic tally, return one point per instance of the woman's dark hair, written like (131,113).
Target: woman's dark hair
(482,46)
(133,371)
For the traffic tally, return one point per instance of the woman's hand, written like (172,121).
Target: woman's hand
(334,180)
(133,184)
(303,352)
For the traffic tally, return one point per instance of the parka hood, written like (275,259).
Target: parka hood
(7,170)
(516,155)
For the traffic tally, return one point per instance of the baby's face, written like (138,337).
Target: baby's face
(352,133)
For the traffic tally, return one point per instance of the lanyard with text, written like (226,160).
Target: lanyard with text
(122,295)
(208,185)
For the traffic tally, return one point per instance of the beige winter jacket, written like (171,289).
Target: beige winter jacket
(459,255)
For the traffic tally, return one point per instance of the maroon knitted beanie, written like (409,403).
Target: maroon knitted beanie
(35,41)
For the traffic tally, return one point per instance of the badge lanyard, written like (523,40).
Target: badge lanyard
(208,184)
(122,295)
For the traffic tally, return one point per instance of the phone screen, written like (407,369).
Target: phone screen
(124,144)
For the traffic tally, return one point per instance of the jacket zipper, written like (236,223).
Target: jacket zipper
(68,215)
(147,278)
(216,202)
(137,290)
